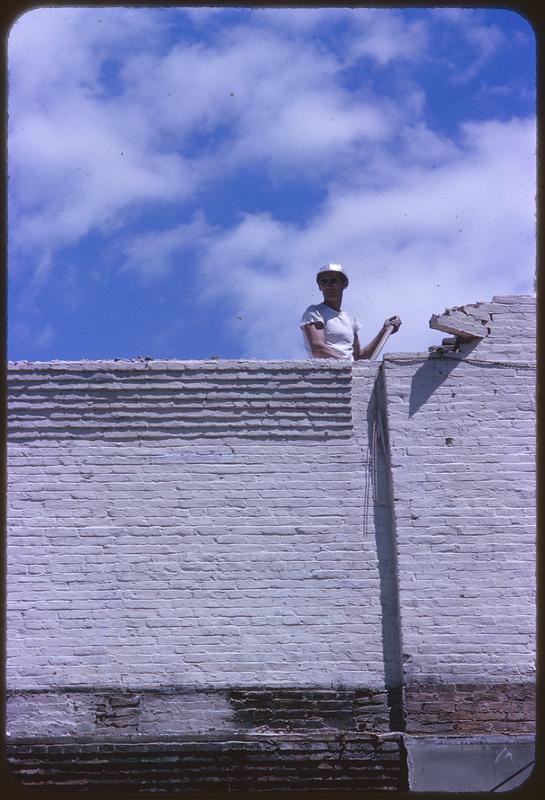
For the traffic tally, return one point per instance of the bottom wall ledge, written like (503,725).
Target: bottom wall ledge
(230,763)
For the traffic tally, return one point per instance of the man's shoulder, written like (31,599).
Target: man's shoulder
(315,310)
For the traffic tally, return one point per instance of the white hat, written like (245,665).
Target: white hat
(332,268)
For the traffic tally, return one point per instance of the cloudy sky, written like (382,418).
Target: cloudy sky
(178,175)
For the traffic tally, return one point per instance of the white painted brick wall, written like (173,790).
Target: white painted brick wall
(462,437)
(224,524)
(220,544)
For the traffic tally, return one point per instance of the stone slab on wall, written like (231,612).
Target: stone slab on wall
(471,764)
(462,449)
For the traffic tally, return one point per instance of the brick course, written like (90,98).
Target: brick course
(470,708)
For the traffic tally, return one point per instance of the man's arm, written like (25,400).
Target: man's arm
(315,334)
(367,351)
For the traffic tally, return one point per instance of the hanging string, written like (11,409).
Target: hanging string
(376,442)
(368,480)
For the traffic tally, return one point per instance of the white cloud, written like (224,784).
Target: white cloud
(76,167)
(315,132)
(275,103)
(300,20)
(484,39)
(411,249)
(45,336)
(152,255)
(204,15)
(381,35)
(384,36)
(422,145)
(53,49)
(79,158)
(82,156)
(68,130)
(23,333)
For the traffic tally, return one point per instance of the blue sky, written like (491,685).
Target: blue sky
(178,175)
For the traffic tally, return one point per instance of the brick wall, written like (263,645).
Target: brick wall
(275,555)
(462,440)
(191,525)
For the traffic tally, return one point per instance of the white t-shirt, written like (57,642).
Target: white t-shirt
(340,327)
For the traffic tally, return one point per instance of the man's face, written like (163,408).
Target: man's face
(332,287)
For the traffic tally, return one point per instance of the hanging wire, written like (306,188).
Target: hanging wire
(512,776)
(376,440)
(369,483)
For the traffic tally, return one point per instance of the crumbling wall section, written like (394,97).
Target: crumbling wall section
(503,328)
(462,447)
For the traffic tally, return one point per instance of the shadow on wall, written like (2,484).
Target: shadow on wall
(427,378)
(379,473)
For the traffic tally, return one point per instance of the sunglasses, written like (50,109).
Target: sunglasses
(329,280)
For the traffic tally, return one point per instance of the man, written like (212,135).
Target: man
(330,332)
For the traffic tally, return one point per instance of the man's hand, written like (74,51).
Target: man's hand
(392,322)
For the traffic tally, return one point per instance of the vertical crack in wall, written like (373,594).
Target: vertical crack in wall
(384,524)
